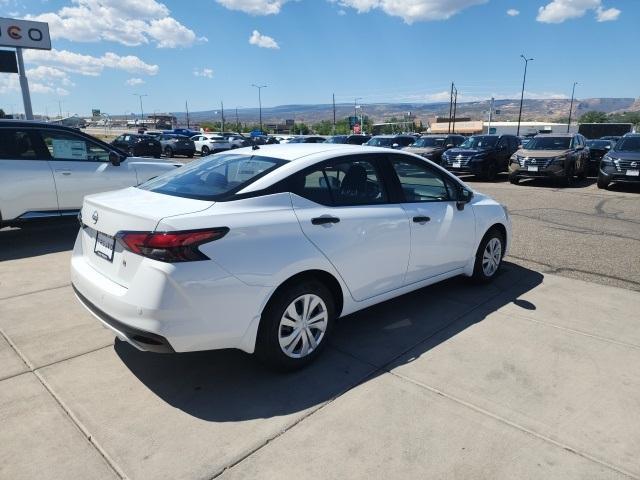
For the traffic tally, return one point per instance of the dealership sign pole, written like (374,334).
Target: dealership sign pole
(21,34)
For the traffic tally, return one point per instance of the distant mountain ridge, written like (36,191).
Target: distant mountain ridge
(540,110)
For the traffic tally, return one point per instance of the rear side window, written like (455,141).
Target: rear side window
(214,178)
(17,145)
(341,183)
(67,146)
(420,183)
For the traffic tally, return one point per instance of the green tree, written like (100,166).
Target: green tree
(2,114)
(594,117)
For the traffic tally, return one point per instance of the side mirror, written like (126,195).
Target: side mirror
(579,147)
(115,159)
(449,145)
(464,197)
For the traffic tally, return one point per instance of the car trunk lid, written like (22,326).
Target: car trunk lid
(105,215)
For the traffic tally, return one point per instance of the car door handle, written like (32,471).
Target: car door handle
(421,219)
(64,172)
(324,220)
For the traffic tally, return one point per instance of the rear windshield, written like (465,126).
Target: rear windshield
(628,144)
(598,143)
(381,142)
(213,178)
(549,143)
(429,142)
(480,141)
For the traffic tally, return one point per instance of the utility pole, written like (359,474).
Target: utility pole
(450,106)
(355,111)
(237,121)
(222,113)
(524,81)
(186,106)
(490,116)
(334,113)
(141,110)
(260,87)
(60,108)
(573,93)
(455,108)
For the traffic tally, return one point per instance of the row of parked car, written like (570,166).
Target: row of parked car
(563,157)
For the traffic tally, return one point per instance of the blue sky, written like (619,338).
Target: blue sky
(305,50)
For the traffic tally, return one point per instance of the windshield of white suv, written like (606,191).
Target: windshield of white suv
(214,177)
(628,144)
(549,143)
(429,142)
(480,141)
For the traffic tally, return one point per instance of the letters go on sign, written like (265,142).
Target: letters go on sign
(25,34)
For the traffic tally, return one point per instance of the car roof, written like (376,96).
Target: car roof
(568,135)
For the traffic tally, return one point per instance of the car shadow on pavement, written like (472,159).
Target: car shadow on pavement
(35,240)
(554,183)
(228,385)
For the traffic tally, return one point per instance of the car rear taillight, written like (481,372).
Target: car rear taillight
(170,247)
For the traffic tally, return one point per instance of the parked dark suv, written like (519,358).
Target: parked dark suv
(482,155)
(622,163)
(138,145)
(597,150)
(432,147)
(551,155)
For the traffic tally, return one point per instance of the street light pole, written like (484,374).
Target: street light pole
(260,87)
(139,95)
(524,80)
(355,111)
(573,93)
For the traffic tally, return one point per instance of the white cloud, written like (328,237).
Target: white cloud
(262,41)
(607,15)
(129,22)
(559,11)
(39,82)
(254,7)
(87,64)
(203,72)
(342,12)
(134,81)
(512,12)
(413,10)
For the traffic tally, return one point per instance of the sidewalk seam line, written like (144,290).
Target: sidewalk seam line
(533,433)
(571,330)
(35,291)
(82,429)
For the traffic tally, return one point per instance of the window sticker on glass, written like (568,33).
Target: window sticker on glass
(71,149)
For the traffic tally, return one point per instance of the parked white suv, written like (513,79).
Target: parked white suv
(46,170)
(263,248)
(207,143)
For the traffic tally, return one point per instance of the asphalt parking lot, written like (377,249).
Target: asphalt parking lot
(533,376)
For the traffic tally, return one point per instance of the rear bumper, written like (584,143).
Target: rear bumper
(146,341)
(172,307)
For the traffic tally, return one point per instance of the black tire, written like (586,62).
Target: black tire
(131,152)
(168,152)
(205,151)
(268,348)
(583,172)
(514,180)
(492,173)
(480,275)
(157,155)
(568,179)
(190,155)
(603,184)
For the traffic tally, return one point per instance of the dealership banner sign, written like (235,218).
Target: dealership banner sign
(24,34)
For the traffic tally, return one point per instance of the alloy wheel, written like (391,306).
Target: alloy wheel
(491,257)
(303,326)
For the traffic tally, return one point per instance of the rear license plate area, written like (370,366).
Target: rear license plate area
(104,246)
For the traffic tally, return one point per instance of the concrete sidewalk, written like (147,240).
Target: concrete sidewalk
(530,377)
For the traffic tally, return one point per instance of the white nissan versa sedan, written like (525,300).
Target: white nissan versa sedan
(263,248)
(46,170)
